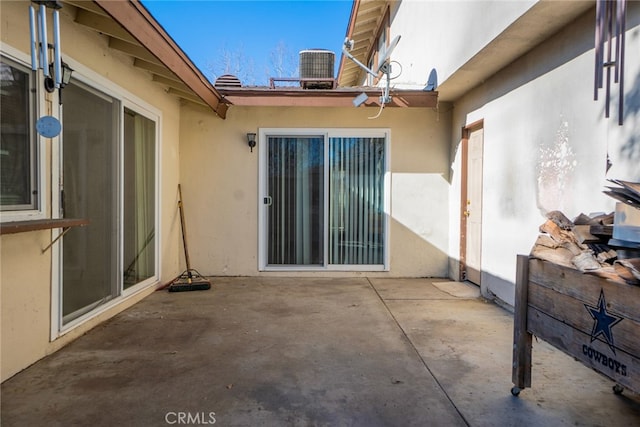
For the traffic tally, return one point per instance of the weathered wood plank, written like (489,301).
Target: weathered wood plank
(41,224)
(583,234)
(625,333)
(586,287)
(521,368)
(621,367)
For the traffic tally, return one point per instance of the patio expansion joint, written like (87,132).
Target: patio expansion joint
(424,363)
(421,299)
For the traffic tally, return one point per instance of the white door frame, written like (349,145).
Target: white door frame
(466,210)
(263,135)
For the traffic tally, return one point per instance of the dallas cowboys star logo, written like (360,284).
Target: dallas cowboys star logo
(603,321)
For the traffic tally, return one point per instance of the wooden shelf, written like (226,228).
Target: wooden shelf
(41,224)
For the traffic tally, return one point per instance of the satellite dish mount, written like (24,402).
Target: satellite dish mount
(384,65)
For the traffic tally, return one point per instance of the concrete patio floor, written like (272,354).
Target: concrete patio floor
(298,352)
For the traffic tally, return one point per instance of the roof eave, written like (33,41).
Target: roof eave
(342,97)
(137,20)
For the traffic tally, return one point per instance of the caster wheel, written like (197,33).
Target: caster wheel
(618,389)
(515,391)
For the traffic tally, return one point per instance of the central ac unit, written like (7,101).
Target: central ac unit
(317,64)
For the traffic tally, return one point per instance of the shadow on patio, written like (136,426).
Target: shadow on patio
(302,351)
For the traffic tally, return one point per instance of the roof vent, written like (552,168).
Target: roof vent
(316,69)
(228,80)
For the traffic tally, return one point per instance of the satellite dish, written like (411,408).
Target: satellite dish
(432,82)
(387,53)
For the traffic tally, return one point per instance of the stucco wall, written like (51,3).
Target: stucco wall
(545,144)
(220,184)
(446,34)
(26,273)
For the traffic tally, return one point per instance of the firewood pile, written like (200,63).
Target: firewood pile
(582,244)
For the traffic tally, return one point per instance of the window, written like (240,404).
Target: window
(324,200)
(18,153)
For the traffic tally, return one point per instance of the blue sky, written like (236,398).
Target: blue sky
(245,37)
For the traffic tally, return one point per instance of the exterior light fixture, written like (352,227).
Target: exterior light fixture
(66,74)
(64,78)
(251,140)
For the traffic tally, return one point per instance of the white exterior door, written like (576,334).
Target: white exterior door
(473,208)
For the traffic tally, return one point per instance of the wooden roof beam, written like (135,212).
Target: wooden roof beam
(132,49)
(86,5)
(155,69)
(170,83)
(103,24)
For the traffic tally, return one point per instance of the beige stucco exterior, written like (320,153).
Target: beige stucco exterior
(220,184)
(28,276)
(219,177)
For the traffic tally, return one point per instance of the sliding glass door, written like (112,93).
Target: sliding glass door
(324,201)
(109,177)
(296,200)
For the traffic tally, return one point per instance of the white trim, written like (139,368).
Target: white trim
(96,83)
(56,253)
(155,118)
(65,329)
(326,133)
(387,201)
(40,144)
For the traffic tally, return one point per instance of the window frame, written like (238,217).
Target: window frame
(38,208)
(327,134)
(95,82)
(137,108)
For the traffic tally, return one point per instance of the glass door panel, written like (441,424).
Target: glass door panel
(295,211)
(90,189)
(356,201)
(139,198)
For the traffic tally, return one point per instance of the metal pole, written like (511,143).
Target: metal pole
(42,17)
(57,61)
(34,39)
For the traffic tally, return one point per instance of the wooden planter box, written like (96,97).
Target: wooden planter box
(594,320)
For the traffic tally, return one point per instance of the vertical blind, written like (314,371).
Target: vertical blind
(296,192)
(354,193)
(356,201)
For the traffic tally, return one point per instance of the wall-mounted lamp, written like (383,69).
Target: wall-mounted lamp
(65,78)
(251,140)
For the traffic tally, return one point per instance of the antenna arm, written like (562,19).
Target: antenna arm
(360,64)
